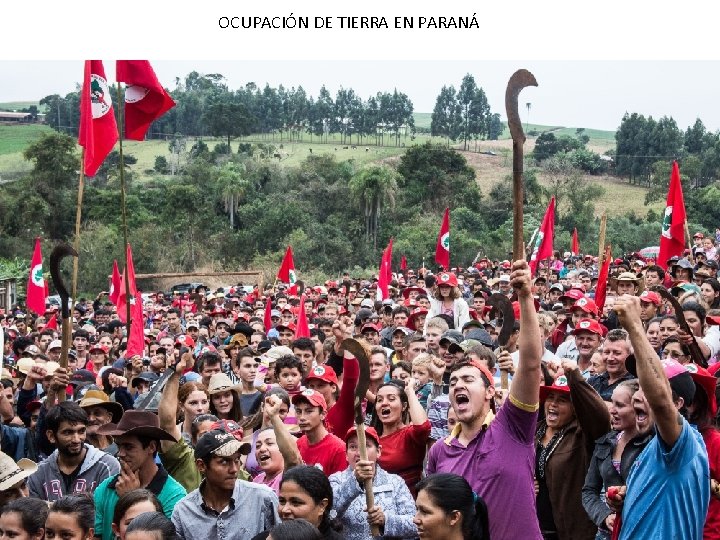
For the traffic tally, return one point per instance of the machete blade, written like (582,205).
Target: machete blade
(358,350)
(58,254)
(695,351)
(502,303)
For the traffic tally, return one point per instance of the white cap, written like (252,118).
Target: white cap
(367,303)
(505,277)
(57,344)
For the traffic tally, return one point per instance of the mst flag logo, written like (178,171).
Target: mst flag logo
(292,278)
(135,93)
(667,222)
(100,96)
(445,241)
(36,275)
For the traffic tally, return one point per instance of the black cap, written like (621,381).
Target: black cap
(145,376)
(217,442)
(264,346)
(481,335)
(81,376)
(452,336)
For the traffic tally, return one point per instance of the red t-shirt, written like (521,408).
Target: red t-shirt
(403,452)
(329,453)
(711,436)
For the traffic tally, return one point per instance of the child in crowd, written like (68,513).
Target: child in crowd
(421,373)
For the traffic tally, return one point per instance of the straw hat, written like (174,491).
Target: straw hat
(11,473)
(220,382)
(98,398)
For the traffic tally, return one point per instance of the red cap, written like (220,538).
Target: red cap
(369,432)
(229,426)
(713,320)
(447,278)
(185,341)
(368,326)
(702,377)
(574,294)
(289,326)
(505,264)
(413,317)
(217,310)
(323,373)
(559,385)
(315,399)
(406,292)
(102,348)
(586,305)
(618,261)
(589,325)
(650,296)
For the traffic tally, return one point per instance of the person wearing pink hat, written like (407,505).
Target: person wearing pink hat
(674,461)
(447,300)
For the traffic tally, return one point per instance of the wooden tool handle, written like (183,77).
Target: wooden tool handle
(369,497)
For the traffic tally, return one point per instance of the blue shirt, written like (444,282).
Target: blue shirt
(668,490)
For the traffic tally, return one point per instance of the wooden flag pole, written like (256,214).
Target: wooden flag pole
(121,171)
(78,216)
(689,241)
(601,238)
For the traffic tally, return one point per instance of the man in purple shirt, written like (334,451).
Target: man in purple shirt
(495,454)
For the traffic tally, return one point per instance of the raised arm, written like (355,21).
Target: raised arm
(525,388)
(285,441)
(167,409)
(418,416)
(590,409)
(653,381)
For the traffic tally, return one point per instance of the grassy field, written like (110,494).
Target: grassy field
(18,105)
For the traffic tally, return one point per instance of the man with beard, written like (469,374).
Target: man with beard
(74,466)
(100,411)
(482,445)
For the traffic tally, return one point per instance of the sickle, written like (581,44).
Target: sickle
(695,351)
(58,254)
(519,80)
(359,351)
(502,304)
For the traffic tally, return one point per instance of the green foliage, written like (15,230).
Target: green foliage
(161,165)
(547,145)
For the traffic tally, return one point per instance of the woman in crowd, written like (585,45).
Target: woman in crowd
(394,507)
(23,519)
(652,331)
(224,398)
(448,509)
(193,401)
(261,422)
(613,457)
(447,300)
(403,427)
(710,291)
(151,526)
(575,416)
(129,506)
(71,518)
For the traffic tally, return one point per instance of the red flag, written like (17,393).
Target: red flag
(115,284)
(36,284)
(601,289)
(575,248)
(145,98)
(136,341)
(385,273)
(672,238)
(403,263)
(302,329)
(544,241)
(267,319)
(122,298)
(52,323)
(98,130)
(286,273)
(442,249)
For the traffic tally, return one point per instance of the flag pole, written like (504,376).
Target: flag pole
(601,238)
(121,165)
(689,241)
(78,215)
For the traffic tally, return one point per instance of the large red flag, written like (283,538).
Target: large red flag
(286,273)
(442,249)
(385,273)
(544,241)
(98,129)
(136,341)
(145,98)
(672,238)
(115,284)
(267,319)
(575,248)
(302,329)
(601,289)
(122,298)
(36,284)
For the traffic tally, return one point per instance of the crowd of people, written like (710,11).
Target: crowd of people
(574,421)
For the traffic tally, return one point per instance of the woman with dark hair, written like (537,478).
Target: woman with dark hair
(151,526)
(260,422)
(224,398)
(23,519)
(710,291)
(305,493)
(131,505)
(447,508)
(295,529)
(695,317)
(71,518)
(674,349)
(403,427)
(193,401)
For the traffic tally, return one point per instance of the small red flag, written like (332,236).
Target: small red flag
(98,129)
(575,248)
(267,319)
(145,98)
(442,249)
(302,329)
(136,341)
(544,241)
(672,238)
(601,289)
(52,324)
(403,263)
(385,273)
(286,273)
(115,284)
(122,298)
(36,284)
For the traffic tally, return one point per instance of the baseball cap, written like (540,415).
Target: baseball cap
(145,376)
(275,313)
(505,278)
(369,432)
(557,287)
(367,303)
(234,429)
(404,329)
(275,353)
(370,326)
(452,337)
(588,325)
(573,294)
(323,373)
(192,324)
(586,305)
(81,376)
(651,297)
(680,380)
(559,385)
(447,278)
(55,344)
(314,398)
(218,442)
(185,341)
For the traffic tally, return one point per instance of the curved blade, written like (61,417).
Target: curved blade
(358,350)
(58,254)
(522,78)
(695,351)
(502,303)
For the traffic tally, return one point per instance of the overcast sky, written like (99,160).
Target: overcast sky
(591,94)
